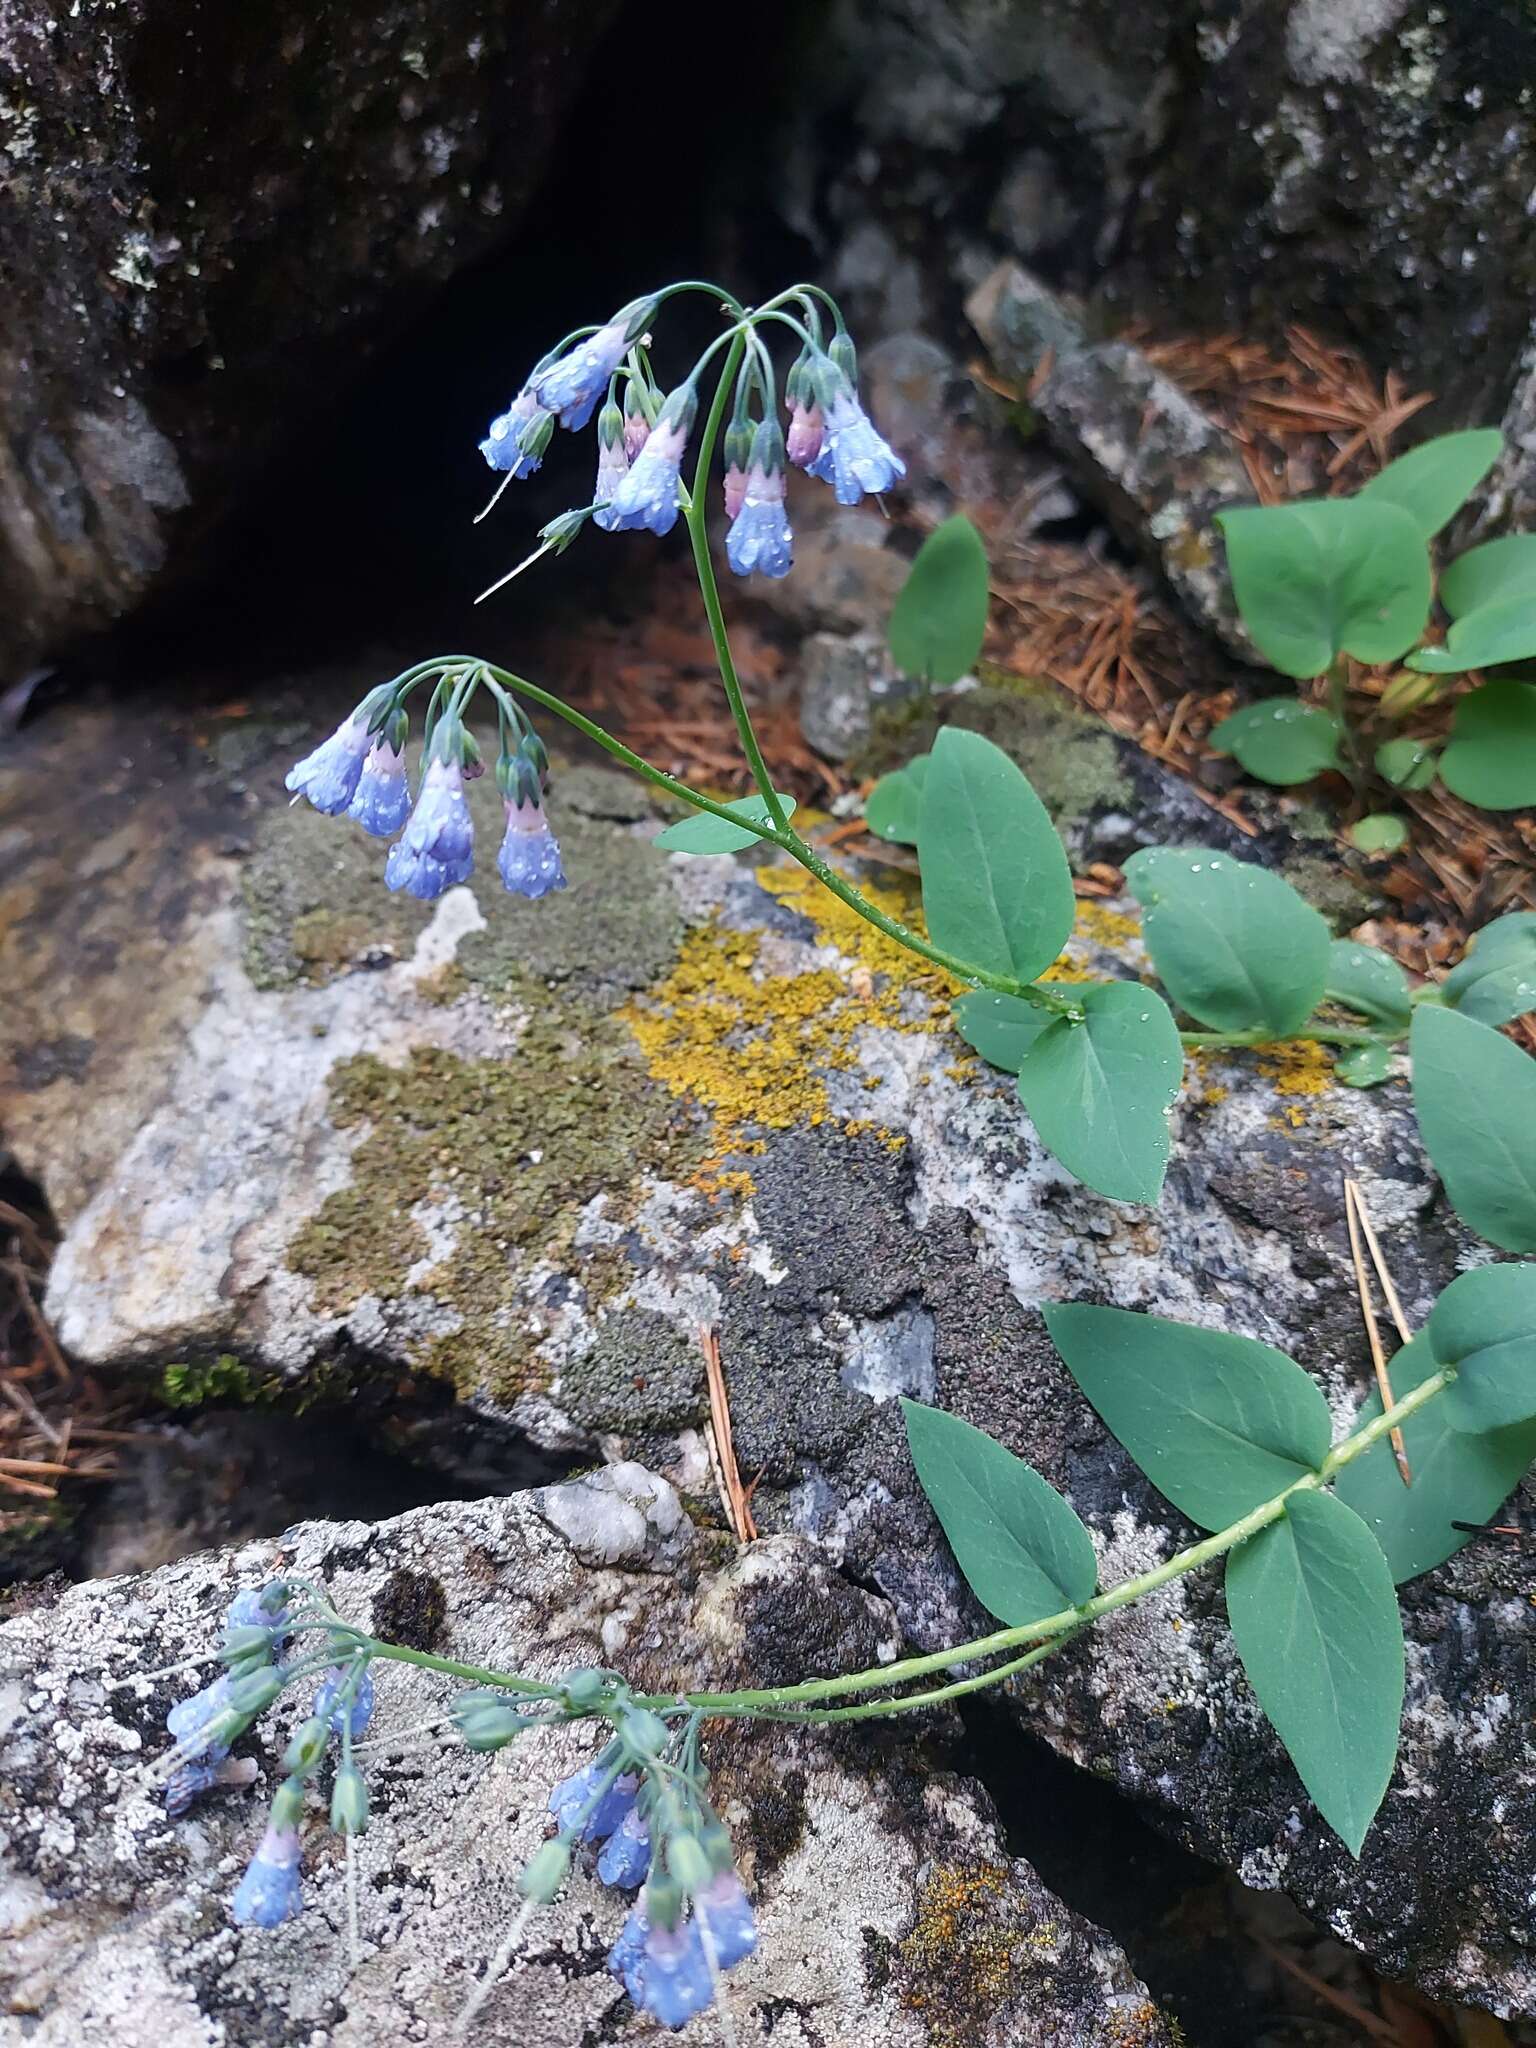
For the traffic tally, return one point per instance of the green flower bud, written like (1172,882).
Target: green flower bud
(349,1802)
(485,1721)
(288,1803)
(842,351)
(662,1901)
(584,1690)
(644,1734)
(306,1748)
(688,1864)
(253,1693)
(546,1872)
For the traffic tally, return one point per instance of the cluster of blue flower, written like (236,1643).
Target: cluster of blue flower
(256,1633)
(694,1919)
(360,770)
(641,444)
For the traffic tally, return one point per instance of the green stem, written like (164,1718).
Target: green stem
(1037,1639)
(788,841)
(1317,1033)
(882,1677)
(696,515)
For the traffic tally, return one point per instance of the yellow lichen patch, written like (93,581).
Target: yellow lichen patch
(1297,1067)
(754,1047)
(1105,927)
(961,1958)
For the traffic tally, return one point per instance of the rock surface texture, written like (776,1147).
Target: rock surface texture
(889,1910)
(1363,166)
(531,1150)
(203,213)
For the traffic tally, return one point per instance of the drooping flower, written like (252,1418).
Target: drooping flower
(572,386)
(270,1891)
(726,1912)
(736,447)
(190,1718)
(529,860)
(648,496)
(509,444)
(329,775)
(569,1800)
(381,803)
(671,1978)
(854,458)
(437,848)
(612,465)
(327,1705)
(626,1950)
(626,1856)
(760,537)
(260,1607)
(192,1780)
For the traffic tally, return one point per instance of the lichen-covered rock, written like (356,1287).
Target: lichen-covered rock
(206,213)
(1138,446)
(409,1142)
(888,1907)
(1362,166)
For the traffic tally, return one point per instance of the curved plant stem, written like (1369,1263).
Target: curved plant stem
(1037,1639)
(1317,1034)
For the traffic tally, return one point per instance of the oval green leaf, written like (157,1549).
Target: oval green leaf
(1369,982)
(1406,764)
(705,833)
(1489,575)
(1504,632)
(1220,1424)
(1475,1096)
(1380,832)
(1491,760)
(1456,1477)
(1235,945)
(1364,1066)
(1484,1324)
(895,802)
(1023,1551)
(997,891)
(1001,1028)
(1496,982)
(1280,740)
(1326,577)
(1315,1619)
(1433,481)
(940,616)
(1099,1092)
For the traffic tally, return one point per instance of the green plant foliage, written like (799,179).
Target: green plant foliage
(1023,1551)
(705,833)
(1234,945)
(1327,577)
(940,615)
(1380,832)
(1406,764)
(895,802)
(1001,1028)
(221,1381)
(1484,1324)
(1364,1066)
(1475,1095)
(1220,1424)
(1099,1092)
(1280,740)
(1369,982)
(997,891)
(1315,1619)
(1457,1477)
(1497,980)
(1491,760)
(1490,575)
(1433,481)
(1483,639)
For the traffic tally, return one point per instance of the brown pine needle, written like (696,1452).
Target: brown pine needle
(735,1498)
(1353,1212)
(1373,1243)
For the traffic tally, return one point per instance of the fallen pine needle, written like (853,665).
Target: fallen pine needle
(1354,1211)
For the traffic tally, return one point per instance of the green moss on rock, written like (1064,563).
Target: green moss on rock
(640,1375)
(1069,756)
(506,1152)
